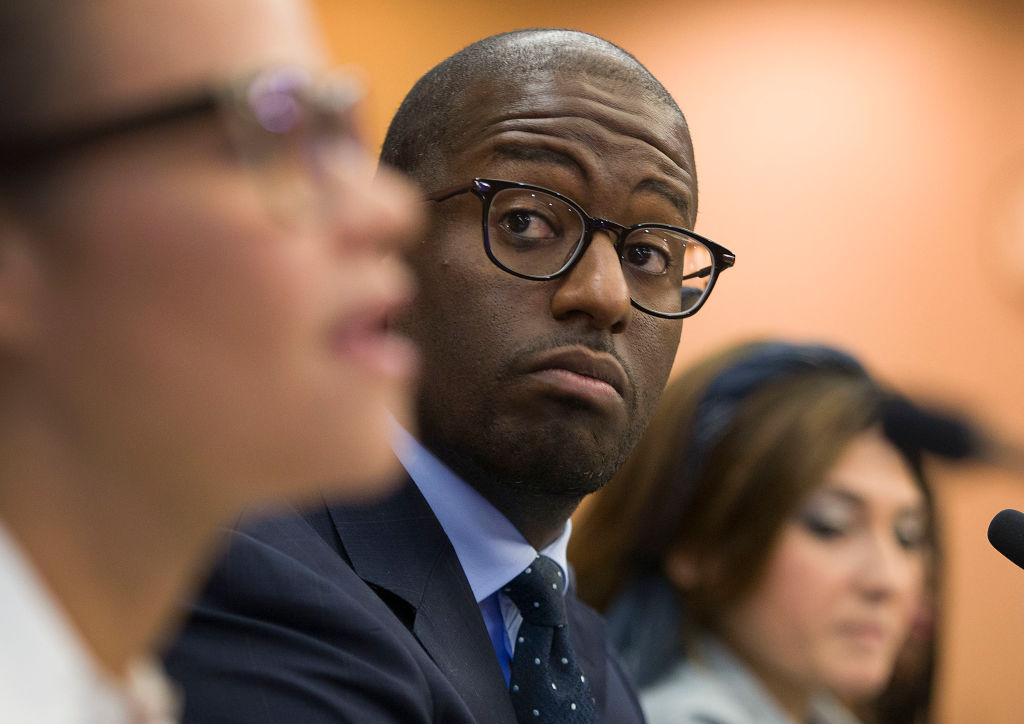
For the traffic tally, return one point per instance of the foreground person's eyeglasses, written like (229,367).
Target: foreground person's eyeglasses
(292,126)
(536,233)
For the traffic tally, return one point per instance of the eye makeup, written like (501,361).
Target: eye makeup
(833,513)
(826,519)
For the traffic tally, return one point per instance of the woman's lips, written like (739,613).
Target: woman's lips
(864,634)
(366,341)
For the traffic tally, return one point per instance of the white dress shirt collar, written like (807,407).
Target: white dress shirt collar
(47,675)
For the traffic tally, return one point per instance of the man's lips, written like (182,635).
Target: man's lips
(581,372)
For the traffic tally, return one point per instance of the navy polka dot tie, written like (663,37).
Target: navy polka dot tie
(547,684)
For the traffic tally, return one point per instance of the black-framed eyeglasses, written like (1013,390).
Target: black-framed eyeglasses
(290,124)
(535,233)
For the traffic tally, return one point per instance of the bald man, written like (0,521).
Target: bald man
(559,263)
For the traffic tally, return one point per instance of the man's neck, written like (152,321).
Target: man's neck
(538,516)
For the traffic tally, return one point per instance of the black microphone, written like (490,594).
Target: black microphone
(1006,534)
(946,434)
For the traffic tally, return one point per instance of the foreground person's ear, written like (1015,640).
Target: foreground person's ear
(19,284)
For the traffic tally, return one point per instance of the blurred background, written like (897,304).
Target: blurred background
(865,161)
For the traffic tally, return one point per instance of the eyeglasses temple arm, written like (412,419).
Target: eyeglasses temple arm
(55,143)
(699,274)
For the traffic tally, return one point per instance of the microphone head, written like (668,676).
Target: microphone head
(1006,534)
(940,433)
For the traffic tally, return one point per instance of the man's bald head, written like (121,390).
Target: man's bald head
(427,125)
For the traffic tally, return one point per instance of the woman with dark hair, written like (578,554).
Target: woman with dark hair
(766,551)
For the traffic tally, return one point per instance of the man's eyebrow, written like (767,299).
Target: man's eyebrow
(541,154)
(517,152)
(680,201)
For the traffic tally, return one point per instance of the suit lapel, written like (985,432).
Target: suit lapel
(399,547)
(587,636)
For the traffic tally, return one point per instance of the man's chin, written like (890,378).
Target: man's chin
(545,476)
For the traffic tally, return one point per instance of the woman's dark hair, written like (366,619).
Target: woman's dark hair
(734,446)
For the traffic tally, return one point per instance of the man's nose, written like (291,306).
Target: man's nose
(595,287)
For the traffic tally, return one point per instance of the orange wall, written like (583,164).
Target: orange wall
(865,161)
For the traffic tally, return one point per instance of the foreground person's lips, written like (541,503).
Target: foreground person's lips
(364,339)
(580,372)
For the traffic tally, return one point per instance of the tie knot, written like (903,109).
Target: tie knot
(537,592)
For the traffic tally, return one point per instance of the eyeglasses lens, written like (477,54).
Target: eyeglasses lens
(533,233)
(296,133)
(539,235)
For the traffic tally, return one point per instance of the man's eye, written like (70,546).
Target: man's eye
(648,259)
(526,223)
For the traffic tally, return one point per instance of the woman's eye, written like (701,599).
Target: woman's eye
(823,525)
(911,534)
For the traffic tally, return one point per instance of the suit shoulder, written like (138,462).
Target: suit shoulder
(284,630)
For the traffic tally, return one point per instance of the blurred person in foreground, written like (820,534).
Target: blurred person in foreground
(766,553)
(192,304)
(554,278)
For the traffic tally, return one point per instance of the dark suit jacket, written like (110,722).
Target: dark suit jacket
(358,614)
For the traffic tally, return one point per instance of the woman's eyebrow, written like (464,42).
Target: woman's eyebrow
(836,489)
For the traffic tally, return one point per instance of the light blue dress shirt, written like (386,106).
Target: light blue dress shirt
(491,550)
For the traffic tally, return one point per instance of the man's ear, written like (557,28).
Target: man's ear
(20,282)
